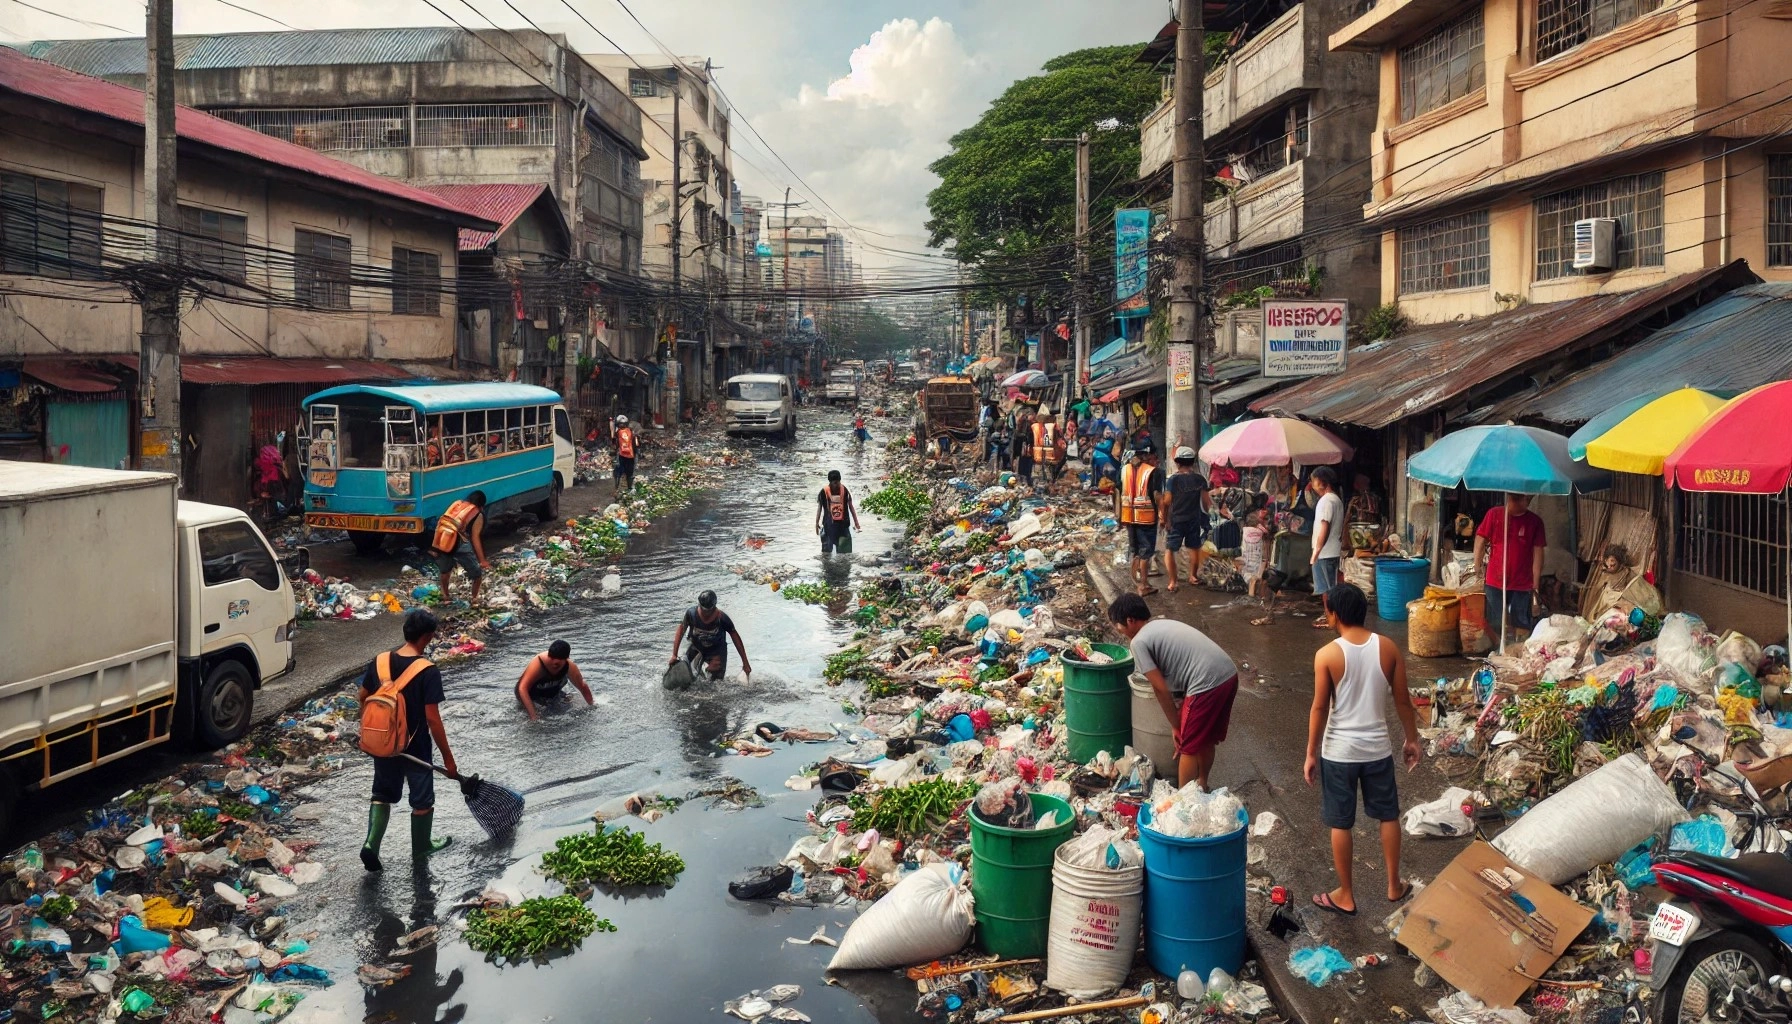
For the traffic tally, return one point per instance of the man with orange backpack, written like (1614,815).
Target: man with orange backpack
(399,700)
(624,442)
(460,539)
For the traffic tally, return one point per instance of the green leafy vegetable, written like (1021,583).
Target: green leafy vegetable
(912,809)
(533,927)
(905,499)
(619,856)
(809,593)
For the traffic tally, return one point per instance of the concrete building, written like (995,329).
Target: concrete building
(1501,124)
(442,106)
(688,179)
(1286,122)
(299,271)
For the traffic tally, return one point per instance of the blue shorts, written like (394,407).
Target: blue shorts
(1142,539)
(1338,785)
(1181,535)
(391,775)
(1325,575)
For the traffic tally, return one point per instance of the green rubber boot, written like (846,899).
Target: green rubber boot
(377,816)
(422,845)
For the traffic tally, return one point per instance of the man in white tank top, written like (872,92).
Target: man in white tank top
(1347,739)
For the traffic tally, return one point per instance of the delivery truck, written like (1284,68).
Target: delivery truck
(127,618)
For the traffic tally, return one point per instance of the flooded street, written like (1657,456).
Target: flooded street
(679,954)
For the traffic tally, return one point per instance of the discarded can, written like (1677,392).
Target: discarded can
(1278,894)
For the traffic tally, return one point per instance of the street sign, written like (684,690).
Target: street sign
(1304,337)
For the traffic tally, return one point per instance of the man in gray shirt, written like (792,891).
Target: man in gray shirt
(1194,680)
(1328,535)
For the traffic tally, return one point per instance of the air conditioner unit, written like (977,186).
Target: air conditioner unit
(1596,243)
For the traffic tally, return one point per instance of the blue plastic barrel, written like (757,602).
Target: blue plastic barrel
(1194,900)
(1397,581)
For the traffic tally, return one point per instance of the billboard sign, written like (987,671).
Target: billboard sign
(1304,337)
(1132,262)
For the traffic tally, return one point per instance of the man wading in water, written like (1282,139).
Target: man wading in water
(546,677)
(710,629)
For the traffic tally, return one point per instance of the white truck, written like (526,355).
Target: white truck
(130,618)
(842,387)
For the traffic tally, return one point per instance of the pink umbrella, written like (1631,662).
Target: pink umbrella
(1274,441)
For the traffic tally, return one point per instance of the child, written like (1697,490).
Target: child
(1253,555)
(1347,739)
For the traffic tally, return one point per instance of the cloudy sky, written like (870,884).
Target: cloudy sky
(857,96)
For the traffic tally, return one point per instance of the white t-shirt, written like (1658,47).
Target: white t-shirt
(1330,510)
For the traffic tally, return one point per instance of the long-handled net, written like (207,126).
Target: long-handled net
(497,809)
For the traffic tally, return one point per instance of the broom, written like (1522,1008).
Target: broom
(496,808)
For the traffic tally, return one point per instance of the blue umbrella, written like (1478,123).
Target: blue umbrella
(1518,460)
(1598,425)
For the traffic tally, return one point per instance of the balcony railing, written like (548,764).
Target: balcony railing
(1270,209)
(1260,75)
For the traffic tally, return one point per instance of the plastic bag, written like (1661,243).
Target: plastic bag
(1190,813)
(678,676)
(1318,964)
(925,917)
(1684,648)
(1594,821)
(1440,817)
(1005,803)
(1704,834)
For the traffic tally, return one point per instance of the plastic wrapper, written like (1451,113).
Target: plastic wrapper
(1005,803)
(1318,964)
(1191,813)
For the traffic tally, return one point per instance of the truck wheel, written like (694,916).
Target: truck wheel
(548,509)
(1705,974)
(367,544)
(790,429)
(226,700)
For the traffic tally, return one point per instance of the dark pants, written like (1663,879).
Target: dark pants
(1509,607)
(1023,466)
(393,775)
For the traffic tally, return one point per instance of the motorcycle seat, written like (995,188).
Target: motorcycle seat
(1768,872)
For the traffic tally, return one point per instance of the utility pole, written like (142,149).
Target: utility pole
(158,352)
(1188,244)
(677,241)
(1081,367)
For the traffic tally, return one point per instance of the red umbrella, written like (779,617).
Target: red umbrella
(1744,448)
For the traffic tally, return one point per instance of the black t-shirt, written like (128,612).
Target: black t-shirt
(707,637)
(419,693)
(546,684)
(1185,497)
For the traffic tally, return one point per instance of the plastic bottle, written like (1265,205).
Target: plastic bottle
(1189,987)
(1219,982)
(32,858)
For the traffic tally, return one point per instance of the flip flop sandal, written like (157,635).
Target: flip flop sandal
(1324,902)
(1404,893)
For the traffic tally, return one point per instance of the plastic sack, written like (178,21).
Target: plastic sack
(1637,867)
(1704,834)
(1098,886)
(1440,817)
(678,676)
(925,917)
(1683,648)
(1592,822)
(133,937)
(1005,803)
(1318,964)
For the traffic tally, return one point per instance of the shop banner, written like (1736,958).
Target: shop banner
(1304,337)
(1182,368)
(1132,261)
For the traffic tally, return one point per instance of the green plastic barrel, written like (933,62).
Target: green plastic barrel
(1098,704)
(1011,879)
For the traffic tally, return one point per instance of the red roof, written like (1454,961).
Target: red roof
(276,370)
(502,203)
(45,81)
(71,375)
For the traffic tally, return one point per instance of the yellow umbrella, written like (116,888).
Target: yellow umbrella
(1642,441)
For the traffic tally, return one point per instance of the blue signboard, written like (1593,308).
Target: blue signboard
(1132,261)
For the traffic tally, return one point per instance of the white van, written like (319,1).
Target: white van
(761,403)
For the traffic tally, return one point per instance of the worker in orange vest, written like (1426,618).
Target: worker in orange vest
(623,445)
(460,540)
(1048,446)
(1138,506)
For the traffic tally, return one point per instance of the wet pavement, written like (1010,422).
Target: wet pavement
(677,954)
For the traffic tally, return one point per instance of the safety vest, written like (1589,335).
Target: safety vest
(453,525)
(837,505)
(1136,505)
(625,443)
(1045,440)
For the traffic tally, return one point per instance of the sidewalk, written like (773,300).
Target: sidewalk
(1261,761)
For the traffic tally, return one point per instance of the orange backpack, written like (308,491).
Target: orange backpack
(385,730)
(451,525)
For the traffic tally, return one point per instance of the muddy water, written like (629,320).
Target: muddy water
(677,955)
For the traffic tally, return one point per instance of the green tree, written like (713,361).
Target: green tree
(1006,201)
(867,332)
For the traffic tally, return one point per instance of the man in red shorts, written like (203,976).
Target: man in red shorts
(1195,681)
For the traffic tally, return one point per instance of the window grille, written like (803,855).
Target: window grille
(320,269)
(49,227)
(640,83)
(1779,210)
(330,129)
(1738,539)
(214,242)
(485,124)
(1450,252)
(1274,263)
(1444,66)
(1635,200)
(1564,24)
(416,282)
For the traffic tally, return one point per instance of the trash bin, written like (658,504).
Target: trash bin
(1471,626)
(1194,900)
(1433,624)
(1151,733)
(1399,581)
(1011,879)
(1098,704)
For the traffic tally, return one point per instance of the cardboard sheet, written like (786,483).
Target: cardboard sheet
(1484,924)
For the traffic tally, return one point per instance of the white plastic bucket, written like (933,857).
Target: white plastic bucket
(1151,733)
(1094,930)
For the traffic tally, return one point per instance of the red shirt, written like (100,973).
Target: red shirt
(1509,552)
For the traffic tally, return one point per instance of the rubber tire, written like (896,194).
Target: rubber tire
(790,429)
(225,706)
(366,542)
(1667,1000)
(548,509)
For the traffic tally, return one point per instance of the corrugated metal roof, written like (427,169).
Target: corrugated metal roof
(53,84)
(502,203)
(256,49)
(249,370)
(1734,343)
(1432,365)
(71,375)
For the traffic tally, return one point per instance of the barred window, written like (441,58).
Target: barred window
(1444,66)
(320,272)
(1265,266)
(1450,252)
(214,242)
(416,282)
(49,227)
(1738,539)
(1634,200)
(330,129)
(485,124)
(640,83)
(1779,210)
(1564,24)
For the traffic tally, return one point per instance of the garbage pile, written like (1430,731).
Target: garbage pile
(184,899)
